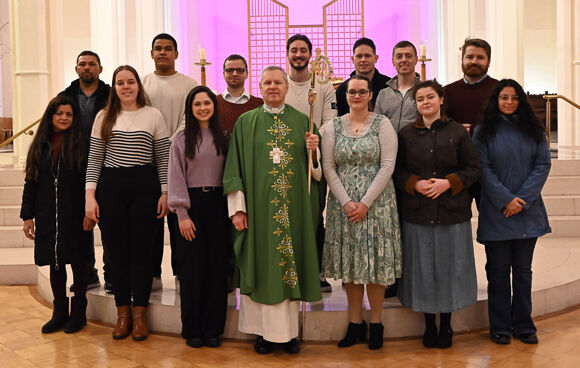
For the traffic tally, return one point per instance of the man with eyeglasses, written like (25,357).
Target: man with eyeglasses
(235,100)
(466,97)
(396,101)
(167,90)
(364,59)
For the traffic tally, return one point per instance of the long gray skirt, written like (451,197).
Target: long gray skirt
(438,268)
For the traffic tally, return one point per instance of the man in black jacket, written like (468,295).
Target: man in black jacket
(91,95)
(364,57)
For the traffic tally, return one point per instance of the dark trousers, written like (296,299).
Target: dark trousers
(128,202)
(507,313)
(203,266)
(58,280)
(159,245)
(91,270)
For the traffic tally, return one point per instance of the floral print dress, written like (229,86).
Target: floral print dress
(367,252)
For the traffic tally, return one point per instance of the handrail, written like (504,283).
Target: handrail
(30,132)
(549,99)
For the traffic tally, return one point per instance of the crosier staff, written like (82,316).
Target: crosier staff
(322,68)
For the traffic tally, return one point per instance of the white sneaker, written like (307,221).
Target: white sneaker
(177,285)
(157,284)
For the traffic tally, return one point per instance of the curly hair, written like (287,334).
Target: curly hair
(526,120)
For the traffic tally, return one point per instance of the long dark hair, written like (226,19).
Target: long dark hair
(193,130)
(526,120)
(74,152)
(113,108)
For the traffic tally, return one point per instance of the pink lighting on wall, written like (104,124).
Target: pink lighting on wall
(221,27)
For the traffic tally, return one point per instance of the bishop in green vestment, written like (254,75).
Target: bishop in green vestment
(266,180)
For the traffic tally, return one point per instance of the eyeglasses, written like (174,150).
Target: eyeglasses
(232,70)
(354,92)
(506,98)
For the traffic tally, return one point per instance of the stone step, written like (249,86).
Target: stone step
(10,215)
(565,167)
(11,195)
(562,185)
(17,266)
(11,176)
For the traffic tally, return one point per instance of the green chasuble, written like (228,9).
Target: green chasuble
(268,161)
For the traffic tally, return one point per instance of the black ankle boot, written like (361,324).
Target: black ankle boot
(78,315)
(430,338)
(356,332)
(376,336)
(445,338)
(59,316)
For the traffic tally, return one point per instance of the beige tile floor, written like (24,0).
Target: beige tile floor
(22,345)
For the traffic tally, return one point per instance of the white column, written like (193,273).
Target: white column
(505,26)
(29,27)
(568,56)
(457,27)
(121,33)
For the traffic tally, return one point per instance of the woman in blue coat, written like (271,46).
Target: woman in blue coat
(515,165)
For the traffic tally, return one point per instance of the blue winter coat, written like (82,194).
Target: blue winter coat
(513,165)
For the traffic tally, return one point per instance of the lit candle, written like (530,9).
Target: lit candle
(201,54)
(423,51)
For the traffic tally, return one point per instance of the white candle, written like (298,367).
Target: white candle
(423,51)
(201,54)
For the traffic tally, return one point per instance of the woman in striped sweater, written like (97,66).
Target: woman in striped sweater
(126,189)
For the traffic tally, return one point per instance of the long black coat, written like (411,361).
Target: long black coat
(39,203)
(445,151)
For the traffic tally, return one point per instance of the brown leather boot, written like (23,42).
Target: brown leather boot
(140,330)
(123,327)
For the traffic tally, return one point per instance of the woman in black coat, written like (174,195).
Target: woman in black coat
(53,209)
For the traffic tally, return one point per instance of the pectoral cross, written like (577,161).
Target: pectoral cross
(276,153)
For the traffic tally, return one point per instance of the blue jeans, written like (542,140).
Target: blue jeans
(507,313)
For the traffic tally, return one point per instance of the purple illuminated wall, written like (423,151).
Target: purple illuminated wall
(221,28)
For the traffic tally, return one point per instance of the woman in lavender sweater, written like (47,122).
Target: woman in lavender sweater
(196,167)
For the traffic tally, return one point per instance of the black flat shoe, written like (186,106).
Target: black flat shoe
(528,338)
(501,338)
(262,346)
(445,338)
(194,342)
(430,338)
(292,347)
(356,332)
(212,342)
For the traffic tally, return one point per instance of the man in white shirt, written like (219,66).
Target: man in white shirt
(299,53)
(167,89)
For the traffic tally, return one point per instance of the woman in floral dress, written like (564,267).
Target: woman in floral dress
(363,238)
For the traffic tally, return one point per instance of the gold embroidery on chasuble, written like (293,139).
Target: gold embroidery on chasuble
(281,174)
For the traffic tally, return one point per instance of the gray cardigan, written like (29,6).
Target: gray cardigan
(401,110)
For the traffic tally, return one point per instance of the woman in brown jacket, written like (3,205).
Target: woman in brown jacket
(436,164)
